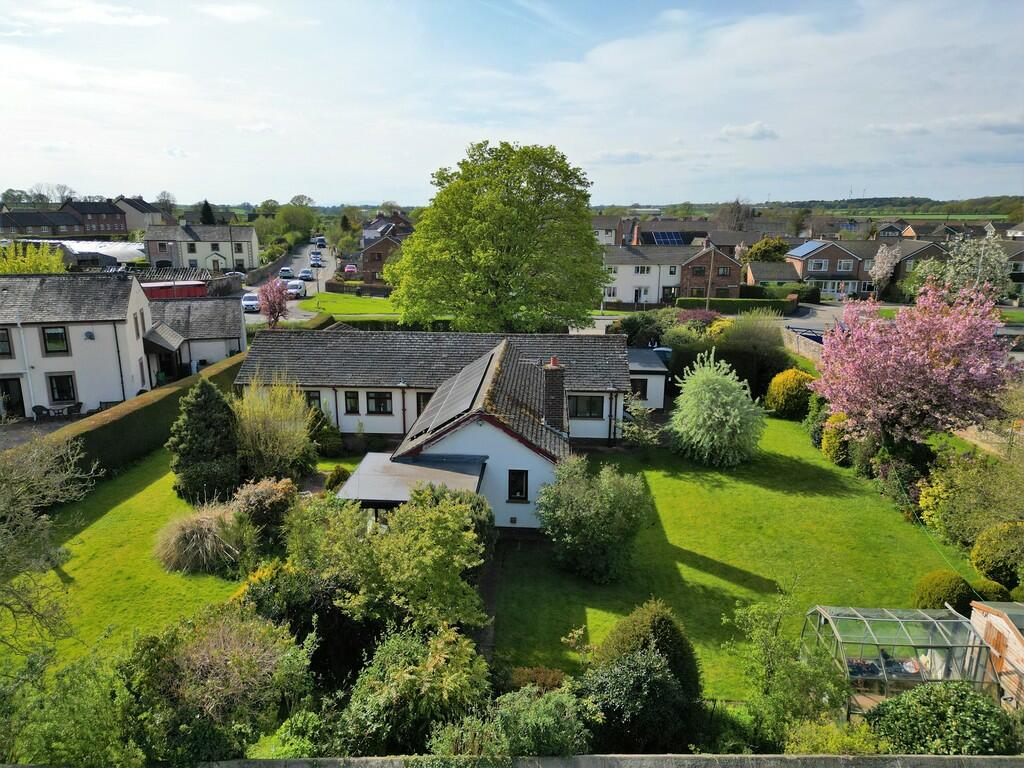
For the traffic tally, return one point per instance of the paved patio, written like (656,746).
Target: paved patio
(21,431)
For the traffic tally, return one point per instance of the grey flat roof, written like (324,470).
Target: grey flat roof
(646,360)
(380,479)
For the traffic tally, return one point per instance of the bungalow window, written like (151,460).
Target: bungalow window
(672,270)
(6,350)
(724,271)
(351,403)
(699,271)
(238,247)
(55,340)
(422,398)
(378,403)
(818,265)
(845,265)
(62,387)
(313,398)
(641,270)
(518,485)
(586,406)
(190,247)
(639,388)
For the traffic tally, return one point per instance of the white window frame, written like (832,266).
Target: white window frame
(641,270)
(847,268)
(818,265)
(610,291)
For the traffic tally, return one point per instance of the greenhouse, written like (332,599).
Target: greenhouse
(885,652)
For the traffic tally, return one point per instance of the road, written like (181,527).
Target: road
(300,260)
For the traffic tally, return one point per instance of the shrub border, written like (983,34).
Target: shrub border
(736,306)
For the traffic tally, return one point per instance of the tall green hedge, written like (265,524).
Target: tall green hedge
(736,306)
(127,432)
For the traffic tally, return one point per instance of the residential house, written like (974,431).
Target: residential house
(394,224)
(97,217)
(373,258)
(85,340)
(668,231)
(711,272)
(1015,231)
(767,273)
(843,267)
(138,214)
(644,275)
(607,229)
(648,377)
(40,224)
(1015,253)
(485,412)
(1001,626)
(890,229)
(728,240)
(765,227)
(203,331)
(217,247)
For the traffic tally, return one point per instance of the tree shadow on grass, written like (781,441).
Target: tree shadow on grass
(794,476)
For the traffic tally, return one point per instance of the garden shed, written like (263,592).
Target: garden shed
(885,652)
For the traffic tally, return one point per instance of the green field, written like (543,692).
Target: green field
(788,518)
(347,304)
(1008,316)
(981,218)
(114,586)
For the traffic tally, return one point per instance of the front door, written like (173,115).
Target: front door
(11,402)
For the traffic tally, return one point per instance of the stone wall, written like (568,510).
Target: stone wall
(801,345)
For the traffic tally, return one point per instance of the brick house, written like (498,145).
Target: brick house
(373,257)
(843,267)
(712,272)
(97,218)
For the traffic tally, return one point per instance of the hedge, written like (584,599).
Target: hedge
(319,321)
(736,306)
(125,433)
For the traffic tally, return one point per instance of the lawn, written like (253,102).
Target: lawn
(1008,316)
(115,587)
(347,304)
(788,518)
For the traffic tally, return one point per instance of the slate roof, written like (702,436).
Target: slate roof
(650,255)
(1017,227)
(163,336)
(140,205)
(643,359)
(732,237)
(604,222)
(85,207)
(674,225)
(206,233)
(772,271)
(862,249)
(506,384)
(210,317)
(338,358)
(76,297)
(1014,248)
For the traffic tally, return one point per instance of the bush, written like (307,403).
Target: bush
(328,438)
(75,719)
(215,539)
(681,335)
(474,736)
(479,512)
(817,415)
(862,455)
(735,306)
(336,478)
(555,723)
(998,554)
(127,432)
(640,328)
(266,502)
(697,318)
(898,478)
(947,718)
(410,685)
(639,698)
(937,588)
(654,627)
(542,678)
(991,591)
(825,737)
(788,394)
(593,519)
(1017,593)
(753,292)
(207,688)
(273,431)
(202,445)
(833,440)
(754,329)
(756,365)
(715,421)
(806,292)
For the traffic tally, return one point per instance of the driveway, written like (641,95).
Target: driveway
(300,260)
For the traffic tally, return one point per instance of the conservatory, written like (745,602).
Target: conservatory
(885,652)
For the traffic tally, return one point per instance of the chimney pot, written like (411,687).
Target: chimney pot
(554,394)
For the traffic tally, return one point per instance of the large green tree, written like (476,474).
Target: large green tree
(505,245)
(203,446)
(768,249)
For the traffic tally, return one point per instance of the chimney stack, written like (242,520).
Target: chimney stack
(554,394)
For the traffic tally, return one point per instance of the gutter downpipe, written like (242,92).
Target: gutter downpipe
(24,356)
(120,370)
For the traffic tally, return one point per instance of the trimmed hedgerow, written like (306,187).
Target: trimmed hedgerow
(833,440)
(937,588)
(788,394)
(991,591)
(998,553)
(735,306)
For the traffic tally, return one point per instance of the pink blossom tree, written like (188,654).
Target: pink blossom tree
(273,301)
(939,366)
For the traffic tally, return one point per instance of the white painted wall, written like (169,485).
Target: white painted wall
(625,280)
(373,424)
(605,236)
(211,350)
(655,389)
(503,453)
(598,428)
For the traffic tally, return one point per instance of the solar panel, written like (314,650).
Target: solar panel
(453,398)
(668,238)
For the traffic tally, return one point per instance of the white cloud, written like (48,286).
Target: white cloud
(86,12)
(755,131)
(177,152)
(234,13)
(257,127)
(897,129)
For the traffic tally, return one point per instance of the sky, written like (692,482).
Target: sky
(359,102)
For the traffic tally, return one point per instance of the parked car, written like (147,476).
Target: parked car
(306,275)
(350,269)
(321,242)
(296,289)
(285,273)
(234,274)
(250,303)
(312,240)
(315,258)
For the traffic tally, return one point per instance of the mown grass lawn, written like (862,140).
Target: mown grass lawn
(1009,316)
(789,518)
(114,586)
(347,304)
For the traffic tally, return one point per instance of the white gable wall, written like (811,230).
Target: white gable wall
(655,388)
(503,452)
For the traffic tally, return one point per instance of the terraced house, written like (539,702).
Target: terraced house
(217,247)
